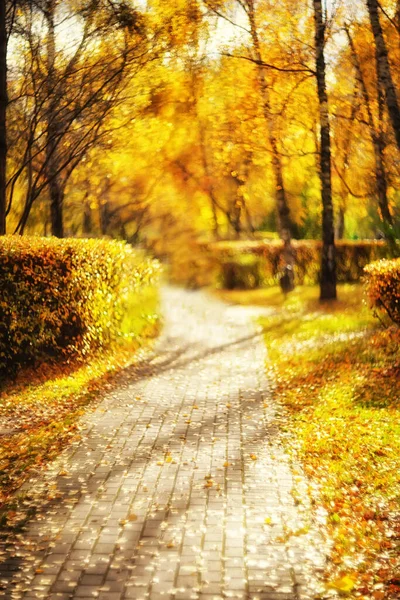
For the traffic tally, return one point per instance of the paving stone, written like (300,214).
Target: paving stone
(175,471)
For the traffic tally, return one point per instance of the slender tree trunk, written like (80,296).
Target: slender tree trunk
(344,192)
(236,217)
(249,220)
(377,136)
(209,188)
(282,206)
(385,79)
(56,190)
(3,110)
(207,173)
(87,222)
(340,224)
(381,179)
(104,216)
(328,263)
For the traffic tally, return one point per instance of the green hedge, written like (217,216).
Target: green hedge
(383,288)
(250,264)
(62,297)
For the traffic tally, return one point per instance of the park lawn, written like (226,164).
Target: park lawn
(41,408)
(337,372)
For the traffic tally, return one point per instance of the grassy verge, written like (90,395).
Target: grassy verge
(338,374)
(40,410)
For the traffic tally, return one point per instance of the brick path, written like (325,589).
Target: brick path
(179,487)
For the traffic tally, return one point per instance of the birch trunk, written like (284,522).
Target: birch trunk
(328,262)
(377,136)
(56,190)
(385,80)
(282,206)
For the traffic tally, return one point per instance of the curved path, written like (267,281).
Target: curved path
(179,487)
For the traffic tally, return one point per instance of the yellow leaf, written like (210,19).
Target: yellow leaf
(344,584)
(268,521)
(253,456)
(168,459)
(132,517)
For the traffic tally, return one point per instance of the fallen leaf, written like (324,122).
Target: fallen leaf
(344,585)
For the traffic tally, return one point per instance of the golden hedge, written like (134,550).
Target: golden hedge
(383,288)
(61,297)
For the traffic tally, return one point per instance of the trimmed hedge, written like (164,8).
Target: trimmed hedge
(63,297)
(251,264)
(383,288)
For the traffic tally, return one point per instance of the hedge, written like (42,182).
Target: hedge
(383,288)
(64,297)
(250,264)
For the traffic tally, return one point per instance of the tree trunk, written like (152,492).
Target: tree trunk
(56,190)
(282,206)
(87,222)
(209,187)
(340,224)
(385,80)
(208,177)
(377,136)
(104,217)
(328,262)
(3,109)
(381,179)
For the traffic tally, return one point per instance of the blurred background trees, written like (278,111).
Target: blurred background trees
(165,123)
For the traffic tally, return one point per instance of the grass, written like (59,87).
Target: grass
(41,408)
(337,372)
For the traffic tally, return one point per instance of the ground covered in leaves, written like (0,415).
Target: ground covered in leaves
(41,407)
(337,371)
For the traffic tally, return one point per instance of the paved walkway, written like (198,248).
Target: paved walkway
(179,488)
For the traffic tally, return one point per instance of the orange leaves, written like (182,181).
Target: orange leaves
(383,287)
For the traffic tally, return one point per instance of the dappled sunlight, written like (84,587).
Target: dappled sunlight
(338,375)
(179,482)
(199,300)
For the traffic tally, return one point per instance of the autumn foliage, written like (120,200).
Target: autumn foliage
(64,297)
(383,286)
